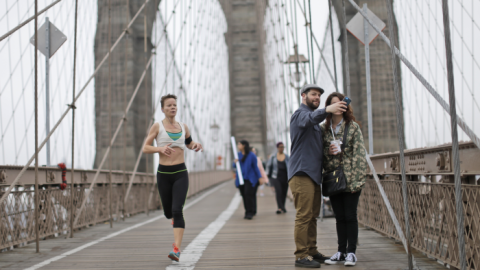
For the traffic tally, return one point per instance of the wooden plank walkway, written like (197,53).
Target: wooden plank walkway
(266,242)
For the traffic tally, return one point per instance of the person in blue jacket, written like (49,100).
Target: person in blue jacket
(251,175)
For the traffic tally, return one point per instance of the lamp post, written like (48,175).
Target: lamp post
(297,59)
(215,129)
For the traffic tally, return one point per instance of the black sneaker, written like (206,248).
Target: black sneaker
(351,259)
(307,262)
(249,217)
(319,257)
(337,258)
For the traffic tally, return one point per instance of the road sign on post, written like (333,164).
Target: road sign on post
(50,39)
(356,26)
(364,32)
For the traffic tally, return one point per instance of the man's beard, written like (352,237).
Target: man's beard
(311,105)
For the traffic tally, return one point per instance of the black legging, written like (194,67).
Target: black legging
(281,189)
(172,182)
(249,194)
(345,208)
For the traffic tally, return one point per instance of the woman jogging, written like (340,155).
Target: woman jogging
(172,138)
(277,170)
(354,167)
(251,176)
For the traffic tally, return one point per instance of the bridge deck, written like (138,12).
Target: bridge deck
(266,242)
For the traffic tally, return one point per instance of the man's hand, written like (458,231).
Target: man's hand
(197,147)
(166,150)
(332,150)
(337,107)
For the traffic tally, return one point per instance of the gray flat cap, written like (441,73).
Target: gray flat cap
(311,86)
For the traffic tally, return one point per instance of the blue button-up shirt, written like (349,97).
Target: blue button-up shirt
(307,143)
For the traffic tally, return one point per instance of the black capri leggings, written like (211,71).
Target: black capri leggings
(172,182)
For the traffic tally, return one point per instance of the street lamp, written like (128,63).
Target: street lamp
(297,59)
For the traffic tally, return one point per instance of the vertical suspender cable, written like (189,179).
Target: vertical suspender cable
(311,43)
(110,110)
(72,190)
(453,121)
(37,201)
(308,49)
(333,43)
(146,100)
(345,46)
(399,130)
(127,9)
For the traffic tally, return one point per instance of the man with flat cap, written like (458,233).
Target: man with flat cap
(305,172)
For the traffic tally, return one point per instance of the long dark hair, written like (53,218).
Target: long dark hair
(247,149)
(347,116)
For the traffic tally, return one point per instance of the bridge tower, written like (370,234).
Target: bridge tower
(136,124)
(245,39)
(383,98)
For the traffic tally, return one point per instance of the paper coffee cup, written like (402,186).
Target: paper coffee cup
(337,143)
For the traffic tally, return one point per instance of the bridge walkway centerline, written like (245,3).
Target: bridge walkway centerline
(266,242)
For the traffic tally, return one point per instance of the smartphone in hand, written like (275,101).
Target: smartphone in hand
(347,100)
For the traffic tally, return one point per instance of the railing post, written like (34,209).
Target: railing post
(455,149)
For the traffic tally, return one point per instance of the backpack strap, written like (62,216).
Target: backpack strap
(344,142)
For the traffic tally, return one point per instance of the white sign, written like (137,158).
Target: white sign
(235,154)
(57,38)
(356,28)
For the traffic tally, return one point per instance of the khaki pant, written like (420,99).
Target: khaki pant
(307,199)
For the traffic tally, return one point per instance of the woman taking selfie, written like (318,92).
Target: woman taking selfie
(251,176)
(277,170)
(172,138)
(354,163)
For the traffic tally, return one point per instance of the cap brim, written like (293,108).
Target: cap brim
(314,88)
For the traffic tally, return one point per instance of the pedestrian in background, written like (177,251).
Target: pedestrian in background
(277,171)
(354,163)
(251,176)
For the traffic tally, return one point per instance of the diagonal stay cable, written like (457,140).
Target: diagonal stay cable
(387,202)
(463,125)
(73,104)
(29,20)
(114,137)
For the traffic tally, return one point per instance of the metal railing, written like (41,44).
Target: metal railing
(17,222)
(431,201)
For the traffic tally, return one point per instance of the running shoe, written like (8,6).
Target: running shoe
(337,258)
(319,257)
(175,254)
(351,259)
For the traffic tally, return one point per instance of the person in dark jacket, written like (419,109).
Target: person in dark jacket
(277,171)
(251,175)
(305,172)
